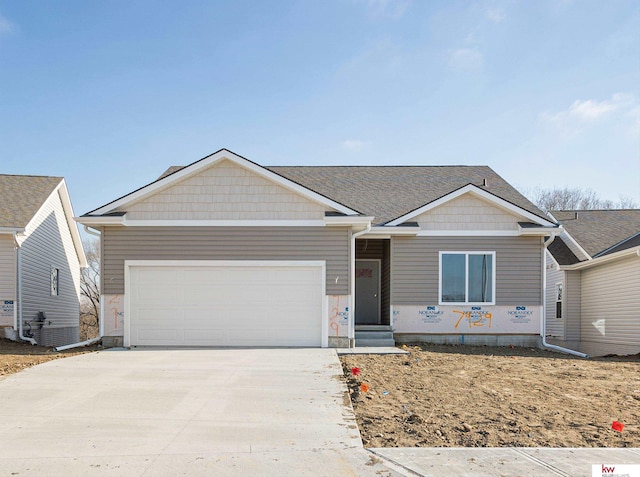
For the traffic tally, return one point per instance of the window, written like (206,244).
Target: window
(559,287)
(54,281)
(467,277)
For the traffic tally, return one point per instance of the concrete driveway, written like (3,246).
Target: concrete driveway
(166,412)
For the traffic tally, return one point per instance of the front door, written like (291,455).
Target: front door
(367,292)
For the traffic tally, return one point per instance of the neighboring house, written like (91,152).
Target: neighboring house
(593,282)
(225,252)
(40,259)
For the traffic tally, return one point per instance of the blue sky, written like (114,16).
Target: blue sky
(109,94)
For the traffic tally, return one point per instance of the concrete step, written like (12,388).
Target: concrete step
(373,328)
(360,343)
(374,335)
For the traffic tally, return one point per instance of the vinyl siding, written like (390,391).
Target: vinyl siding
(555,326)
(468,213)
(330,244)
(225,191)
(7,267)
(610,312)
(415,274)
(573,299)
(48,244)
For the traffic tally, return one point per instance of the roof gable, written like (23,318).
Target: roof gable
(175,174)
(484,195)
(225,191)
(468,212)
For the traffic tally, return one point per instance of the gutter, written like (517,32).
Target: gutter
(543,331)
(352,322)
(19,293)
(100,321)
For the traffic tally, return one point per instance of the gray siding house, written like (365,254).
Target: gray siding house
(40,259)
(593,282)
(226,252)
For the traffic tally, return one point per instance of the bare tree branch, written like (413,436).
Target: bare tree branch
(576,199)
(90,281)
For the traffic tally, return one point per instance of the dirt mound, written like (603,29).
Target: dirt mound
(460,396)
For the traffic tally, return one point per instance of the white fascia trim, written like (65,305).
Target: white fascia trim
(224,263)
(600,260)
(210,160)
(468,233)
(122,220)
(223,223)
(385,230)
(541,231)
(347,220)
(470,188)
(102,220)
(73,227)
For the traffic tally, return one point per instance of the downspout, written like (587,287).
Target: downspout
(543,333)
(100,321)
(352,322)
(19,293)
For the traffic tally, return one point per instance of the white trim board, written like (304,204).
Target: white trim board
(224,263)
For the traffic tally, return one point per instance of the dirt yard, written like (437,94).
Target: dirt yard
(15,357)
(456,396)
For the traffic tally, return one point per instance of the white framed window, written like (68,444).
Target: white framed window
(54,281)
(467,278)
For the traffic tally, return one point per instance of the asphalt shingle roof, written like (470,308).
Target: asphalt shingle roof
(597,231)
(22,196)
(388,192)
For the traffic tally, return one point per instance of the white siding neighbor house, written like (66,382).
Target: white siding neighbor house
(40,259)
(593,282)
(226,252)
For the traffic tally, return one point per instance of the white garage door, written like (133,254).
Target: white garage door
(225,305)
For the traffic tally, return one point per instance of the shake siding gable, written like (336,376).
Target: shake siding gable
(48,244)
(225,191)
(415,274)
(467,213)
(610,319)
(330,244)
(7,268)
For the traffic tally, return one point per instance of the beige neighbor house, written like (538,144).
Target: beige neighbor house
(593,282)
(40,259)
(226,252)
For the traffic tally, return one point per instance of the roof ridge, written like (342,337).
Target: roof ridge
(31,175)
(384,166)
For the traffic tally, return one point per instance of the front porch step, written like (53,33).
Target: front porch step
(375,343)
(374,336)
(373,328)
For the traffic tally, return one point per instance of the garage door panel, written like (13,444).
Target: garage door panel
(158,335)
(226,305)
